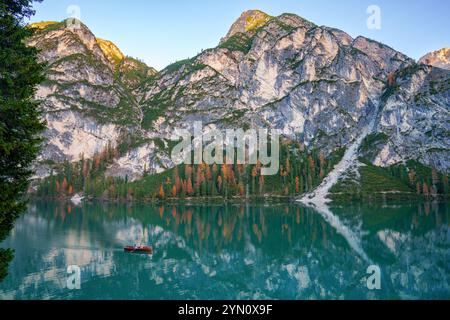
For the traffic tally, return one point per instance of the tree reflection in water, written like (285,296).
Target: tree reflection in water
(230,251)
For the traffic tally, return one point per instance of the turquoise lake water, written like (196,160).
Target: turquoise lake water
(230,251)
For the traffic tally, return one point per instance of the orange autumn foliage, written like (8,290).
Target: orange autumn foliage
(297,185)
(174,191)
(161,193)
(219,183)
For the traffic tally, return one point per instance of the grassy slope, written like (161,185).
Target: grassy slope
(373,182)
(378,183)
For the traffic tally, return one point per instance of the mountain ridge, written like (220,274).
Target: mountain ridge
(316,84)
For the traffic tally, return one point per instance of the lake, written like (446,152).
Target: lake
(230,252)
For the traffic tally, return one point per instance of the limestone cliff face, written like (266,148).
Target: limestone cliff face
(415,118)
(316,84)
(84,104)
(439,59)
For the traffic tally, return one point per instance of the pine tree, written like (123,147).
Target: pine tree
(241,190)
(435,177)
(426,191)
(254,175)
(433,191)
(411,177)
(261,185)
(418,188)
(130,194)
(445,183)
(20,124)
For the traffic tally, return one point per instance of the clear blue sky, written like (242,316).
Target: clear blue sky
(161,32)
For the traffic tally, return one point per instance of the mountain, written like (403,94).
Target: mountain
(110,50)
(248,22)
(88,98)
(439,58)
(317,84)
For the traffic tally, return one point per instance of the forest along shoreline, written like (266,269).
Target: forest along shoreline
(301,172)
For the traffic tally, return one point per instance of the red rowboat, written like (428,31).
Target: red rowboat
(139,249)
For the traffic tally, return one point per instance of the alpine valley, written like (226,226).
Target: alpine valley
(340,102)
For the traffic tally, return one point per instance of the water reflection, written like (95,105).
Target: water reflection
(228,252)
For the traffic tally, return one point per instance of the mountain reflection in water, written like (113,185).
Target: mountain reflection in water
(230,252)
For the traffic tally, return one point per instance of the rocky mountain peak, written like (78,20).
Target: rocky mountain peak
(439,58)
(248,21)
(111,51)
(88,94)
(67,38)
(42,25)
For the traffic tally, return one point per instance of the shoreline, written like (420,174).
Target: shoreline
(333,200)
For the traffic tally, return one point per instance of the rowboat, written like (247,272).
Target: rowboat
(139,249)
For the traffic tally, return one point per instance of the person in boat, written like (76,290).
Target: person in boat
(139,248)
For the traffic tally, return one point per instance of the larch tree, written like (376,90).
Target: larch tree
(174,191)
(161,193)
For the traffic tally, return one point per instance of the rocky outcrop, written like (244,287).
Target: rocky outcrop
(111,51)
(248,22)
(84,104)
(415,118)
(439,59)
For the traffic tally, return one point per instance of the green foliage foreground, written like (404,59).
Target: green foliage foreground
(20,123)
